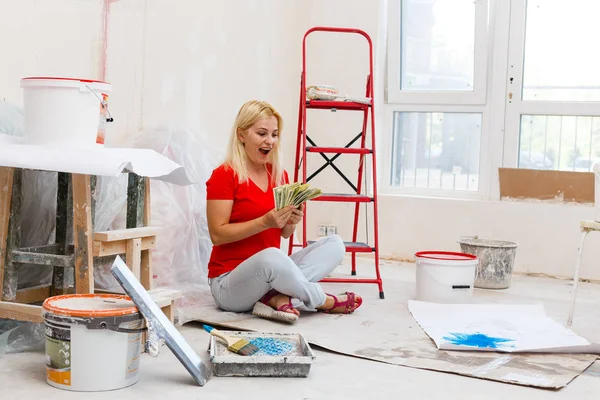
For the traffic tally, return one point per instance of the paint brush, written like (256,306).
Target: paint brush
(235,344)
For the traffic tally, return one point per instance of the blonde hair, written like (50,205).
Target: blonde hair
(237,159)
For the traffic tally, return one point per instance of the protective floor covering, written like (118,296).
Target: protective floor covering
(384,330)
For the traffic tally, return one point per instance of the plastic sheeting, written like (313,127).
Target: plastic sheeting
(38,216)
(183,247)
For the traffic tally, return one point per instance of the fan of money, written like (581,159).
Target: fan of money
(294,194)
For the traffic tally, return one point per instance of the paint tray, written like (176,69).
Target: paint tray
(292,358)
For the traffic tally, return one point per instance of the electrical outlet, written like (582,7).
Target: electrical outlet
(331,230)
(322,230)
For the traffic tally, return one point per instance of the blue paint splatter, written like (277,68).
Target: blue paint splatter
(272,347)
(477,340)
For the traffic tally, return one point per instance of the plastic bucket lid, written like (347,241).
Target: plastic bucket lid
(44,81)
(90,305)
(445,256)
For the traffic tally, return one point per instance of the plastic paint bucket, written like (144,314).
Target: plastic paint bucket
(496,261)
(445,277)
(93,342)
(64,111)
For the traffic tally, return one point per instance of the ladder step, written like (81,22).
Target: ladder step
(338,150)
(340,105)
(355,247)
(351,280)
(343,198)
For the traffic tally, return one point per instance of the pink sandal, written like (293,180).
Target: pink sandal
(348,304)
(264,310)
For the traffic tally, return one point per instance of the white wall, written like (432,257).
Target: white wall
(47,38)
(201,61)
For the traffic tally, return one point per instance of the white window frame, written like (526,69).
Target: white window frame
(461,102)
(515,106)
(476,97)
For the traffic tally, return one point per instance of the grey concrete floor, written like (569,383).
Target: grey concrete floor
(333,376)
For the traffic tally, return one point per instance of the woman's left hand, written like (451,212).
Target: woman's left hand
(297,215)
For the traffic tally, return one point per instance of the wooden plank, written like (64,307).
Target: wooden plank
(133,256)
(13,242)
(147,272)
(163,294)
(62,281)
(33,294)
(147,203)
(558,186)
(45,249)
(82,234)
(102,249)
(25,257)
(168,311)
(62,204)
(20,312)
(124,234)
(6,186)
(135,201)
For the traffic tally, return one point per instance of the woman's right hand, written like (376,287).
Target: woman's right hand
(278,219)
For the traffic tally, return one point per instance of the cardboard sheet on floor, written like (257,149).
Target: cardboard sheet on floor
(97,160)
(385,331)
(510,328)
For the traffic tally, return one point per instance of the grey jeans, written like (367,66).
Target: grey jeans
(296,275)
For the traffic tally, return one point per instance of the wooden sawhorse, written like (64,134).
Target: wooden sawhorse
(74,216)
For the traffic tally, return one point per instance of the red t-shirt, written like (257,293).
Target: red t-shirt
(249,202)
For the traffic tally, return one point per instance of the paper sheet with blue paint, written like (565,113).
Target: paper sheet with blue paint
(496,327)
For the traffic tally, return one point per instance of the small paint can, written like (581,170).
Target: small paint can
(93,342)
(445,277)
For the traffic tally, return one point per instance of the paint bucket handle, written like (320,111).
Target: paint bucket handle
(127,330)
(102,103)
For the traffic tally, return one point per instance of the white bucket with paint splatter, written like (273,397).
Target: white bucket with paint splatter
(64,111)
(445,277)
(93,342)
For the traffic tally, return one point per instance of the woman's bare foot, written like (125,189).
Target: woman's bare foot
(340,306)
(281,299)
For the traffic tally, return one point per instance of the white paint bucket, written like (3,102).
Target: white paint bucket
(445,277)
(93,342)
(64,111)
(597,191)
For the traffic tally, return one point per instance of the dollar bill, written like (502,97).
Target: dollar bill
(294,194)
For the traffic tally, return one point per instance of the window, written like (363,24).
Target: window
(448,131)
(552,115)
(437,51)
(437,48)
(436,150)
(559,142)
(436,95)
(561,64)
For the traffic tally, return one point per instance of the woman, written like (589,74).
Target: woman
(247,270)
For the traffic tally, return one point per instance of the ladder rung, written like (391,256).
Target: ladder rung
(350,280)
(343,198)
(338,150)
(355,247)
(340,105)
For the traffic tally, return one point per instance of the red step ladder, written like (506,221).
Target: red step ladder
(358,194)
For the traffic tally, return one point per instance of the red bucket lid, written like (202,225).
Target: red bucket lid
(445,255)
(32,78)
